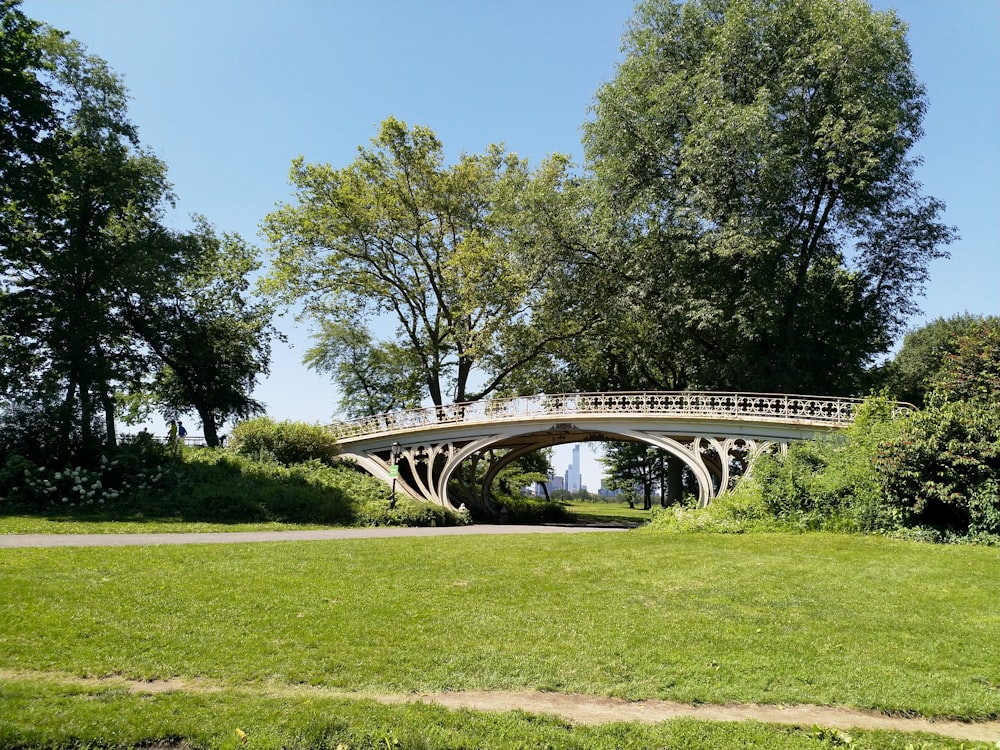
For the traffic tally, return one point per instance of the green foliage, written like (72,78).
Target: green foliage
(769,230)
(147,480)
(118,479)
(91,281)
(911,374)
(82,239)
(738,512)
(831,484)
(971,370)
(458,256)
(943,469)
(932,474)
(373,378)
(515,508)
(285,442)
(210,336)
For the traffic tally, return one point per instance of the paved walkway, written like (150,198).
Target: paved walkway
(10,541)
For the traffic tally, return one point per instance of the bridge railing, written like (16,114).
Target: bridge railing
(769,406)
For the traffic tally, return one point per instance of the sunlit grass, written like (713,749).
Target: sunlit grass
(820,619)
(608,513)
(47,714)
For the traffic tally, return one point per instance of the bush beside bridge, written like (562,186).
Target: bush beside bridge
(144,480)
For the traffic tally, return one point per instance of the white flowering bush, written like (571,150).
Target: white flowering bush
(127,474)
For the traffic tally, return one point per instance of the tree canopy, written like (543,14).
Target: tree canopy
(912,373)
(756,161)
(454,262)
(211,338)
(83,247)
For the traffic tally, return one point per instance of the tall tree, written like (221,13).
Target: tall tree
(756,157)
(456,258)
(636,466)
(82,241)
(210,336)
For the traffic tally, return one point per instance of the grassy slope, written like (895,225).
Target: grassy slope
(820,619)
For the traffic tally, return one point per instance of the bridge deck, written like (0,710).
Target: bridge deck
(812,410)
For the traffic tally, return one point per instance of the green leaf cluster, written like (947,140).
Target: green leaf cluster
(756,181)
(458,262)
(286,442)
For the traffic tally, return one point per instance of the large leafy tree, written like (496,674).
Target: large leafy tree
(209,334)
(756,158)
(911,374)
(81,234)
(456,263)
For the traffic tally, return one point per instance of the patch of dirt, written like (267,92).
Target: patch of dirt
(582,709)
(588,709)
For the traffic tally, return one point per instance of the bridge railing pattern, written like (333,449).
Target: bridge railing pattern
(713,405)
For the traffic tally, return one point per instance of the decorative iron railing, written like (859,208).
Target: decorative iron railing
(826,410)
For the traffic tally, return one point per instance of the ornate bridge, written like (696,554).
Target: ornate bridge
(711,433)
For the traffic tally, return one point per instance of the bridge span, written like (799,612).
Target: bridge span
(711,433)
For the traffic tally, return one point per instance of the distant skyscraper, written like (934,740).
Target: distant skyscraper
(573,481)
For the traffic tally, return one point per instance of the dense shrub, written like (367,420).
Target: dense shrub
(932,474)
(117,477)
(408,512)
(738,512)
(943,470)
(834,483)
(285,442)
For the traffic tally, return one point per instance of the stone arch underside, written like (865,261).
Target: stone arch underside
(427,464)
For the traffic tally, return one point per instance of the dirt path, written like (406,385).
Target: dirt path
(578,709)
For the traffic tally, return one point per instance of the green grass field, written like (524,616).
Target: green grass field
(819,619)
(609,513)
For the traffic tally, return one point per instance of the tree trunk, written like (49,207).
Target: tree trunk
(208,427)
(108,403)
(675,488)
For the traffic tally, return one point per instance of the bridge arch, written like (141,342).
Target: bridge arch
(702,429)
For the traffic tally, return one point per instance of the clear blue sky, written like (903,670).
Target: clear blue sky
(227,92)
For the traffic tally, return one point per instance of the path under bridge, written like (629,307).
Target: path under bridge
(708,432)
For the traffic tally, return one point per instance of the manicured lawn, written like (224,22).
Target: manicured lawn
(609,513)
(819,619)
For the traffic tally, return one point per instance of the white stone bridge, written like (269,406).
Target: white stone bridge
(711,433)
